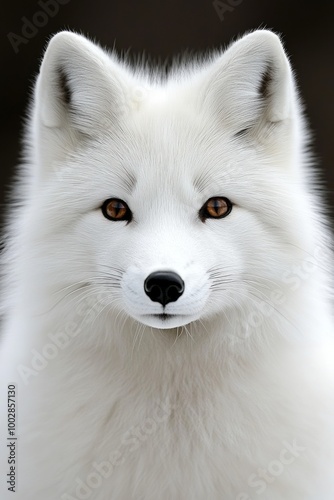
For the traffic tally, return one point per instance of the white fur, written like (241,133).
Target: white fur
(194,407)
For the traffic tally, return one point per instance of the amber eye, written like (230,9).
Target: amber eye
(215,208)
(115,209)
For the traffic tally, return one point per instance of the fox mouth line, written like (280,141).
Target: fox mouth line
(162,316)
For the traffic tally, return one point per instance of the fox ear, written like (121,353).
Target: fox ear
(77,85)
(251,83)
(80,92)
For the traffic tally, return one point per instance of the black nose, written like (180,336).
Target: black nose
(164,287)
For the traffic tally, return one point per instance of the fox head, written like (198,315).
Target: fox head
(179,198)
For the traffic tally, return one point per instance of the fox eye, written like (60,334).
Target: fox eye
(115,209)
(215,208)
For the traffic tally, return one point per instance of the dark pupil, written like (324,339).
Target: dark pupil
(216,205)
(118,207)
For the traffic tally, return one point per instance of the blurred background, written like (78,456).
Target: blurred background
(163,29)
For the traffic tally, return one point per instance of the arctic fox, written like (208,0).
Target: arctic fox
(167,323)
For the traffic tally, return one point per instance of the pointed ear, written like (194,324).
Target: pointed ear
(80,92)
(251,84)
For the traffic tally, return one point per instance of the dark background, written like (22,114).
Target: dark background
(163,29)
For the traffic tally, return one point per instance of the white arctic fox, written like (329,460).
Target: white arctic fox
(167,330)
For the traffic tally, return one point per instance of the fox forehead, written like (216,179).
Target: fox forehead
(159,146)
(156,170)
